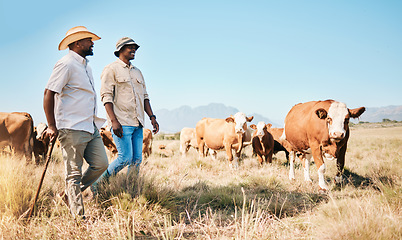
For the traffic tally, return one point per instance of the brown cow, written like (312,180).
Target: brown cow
(322,128)
(279,144)
(225,134)
(16,131)
(188,139)
(146,142)
(41,142)
(108,141)
(262,142)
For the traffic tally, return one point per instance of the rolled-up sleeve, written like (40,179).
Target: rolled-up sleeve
(107,85)
(59,77)
(146,96)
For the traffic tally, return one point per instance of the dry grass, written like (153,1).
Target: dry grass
(188,198)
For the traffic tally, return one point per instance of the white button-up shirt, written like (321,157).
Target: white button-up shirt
(75,101)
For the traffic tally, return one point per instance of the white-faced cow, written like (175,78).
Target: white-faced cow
(41,142)
(188,139)
(16,131)
(146,142)
(217,134)
(322,129)
(262,142)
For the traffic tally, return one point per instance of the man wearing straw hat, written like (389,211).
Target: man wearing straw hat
(124,95)
(70,107)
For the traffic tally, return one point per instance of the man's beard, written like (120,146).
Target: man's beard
(89,52)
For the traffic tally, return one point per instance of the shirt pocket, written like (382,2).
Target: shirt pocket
(124,89)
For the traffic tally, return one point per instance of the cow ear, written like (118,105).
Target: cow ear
(253,126)
(249,119)
(229,119)
(268,125)
(321,113)
(355,113)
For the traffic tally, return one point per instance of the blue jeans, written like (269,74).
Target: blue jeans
(129,149)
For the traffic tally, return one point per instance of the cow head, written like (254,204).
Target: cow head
(41,131)
(337,119)
(260,129)
(240,121)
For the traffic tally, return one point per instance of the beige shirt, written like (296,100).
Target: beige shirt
(75,98)
(124,86)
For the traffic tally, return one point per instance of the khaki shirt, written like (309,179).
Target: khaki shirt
(124,86)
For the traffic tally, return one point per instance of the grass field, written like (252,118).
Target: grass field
(188,198)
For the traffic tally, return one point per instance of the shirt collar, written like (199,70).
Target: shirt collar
(123,64)
(78,57)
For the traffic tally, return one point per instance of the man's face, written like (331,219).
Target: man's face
(128,52)
(86,45)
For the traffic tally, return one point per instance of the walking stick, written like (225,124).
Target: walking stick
(51,145)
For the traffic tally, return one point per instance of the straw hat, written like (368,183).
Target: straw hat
(122,42)
(75,34)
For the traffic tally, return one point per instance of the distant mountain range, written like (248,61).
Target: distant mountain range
(173,121)
(377,114)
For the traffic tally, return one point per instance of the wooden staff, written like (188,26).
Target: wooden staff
(52,141)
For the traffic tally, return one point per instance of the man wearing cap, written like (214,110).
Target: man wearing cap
(124,95)
(70,107)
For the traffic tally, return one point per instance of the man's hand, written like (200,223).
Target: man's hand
(52,132)
(155,124)
(117,128)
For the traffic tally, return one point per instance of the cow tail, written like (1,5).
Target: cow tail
(29,148)
(150,147)
(283,136)
(31,137)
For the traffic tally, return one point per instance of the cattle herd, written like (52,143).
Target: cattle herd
(316,130)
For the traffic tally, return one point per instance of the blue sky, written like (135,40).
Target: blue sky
(258,56)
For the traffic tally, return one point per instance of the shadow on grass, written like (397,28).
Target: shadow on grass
(202,198)
(359,181)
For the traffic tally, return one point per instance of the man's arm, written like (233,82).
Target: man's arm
(116,126)
(152,117)
(48,107)
(107,96)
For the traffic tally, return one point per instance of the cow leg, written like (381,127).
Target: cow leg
(236,158)
(183,149)
(319,163)
(306,166)
(291,165)
(213,154)
(260,160)
(228,148)
(21,151)
(186,149)
(26,150)
(201,144)
(340,163)
(28,156)
(268,157)
(37,160)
